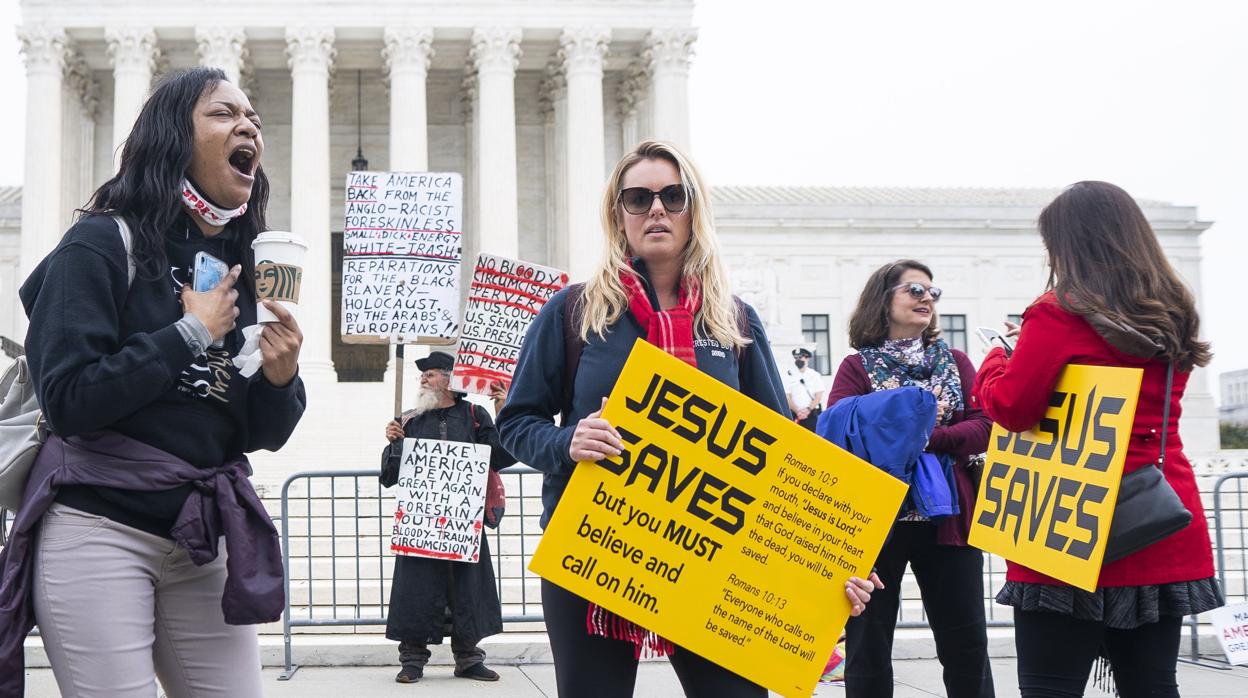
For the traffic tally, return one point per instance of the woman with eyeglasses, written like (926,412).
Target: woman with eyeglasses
(897,334)
(1113,299)
(660,278)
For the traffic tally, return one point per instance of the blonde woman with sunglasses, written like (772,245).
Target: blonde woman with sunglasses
(661,278)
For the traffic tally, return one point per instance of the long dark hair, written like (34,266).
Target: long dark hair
(147,189)
(1105,258)
(868,326)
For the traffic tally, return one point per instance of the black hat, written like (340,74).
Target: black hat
(436,359)
(802,351)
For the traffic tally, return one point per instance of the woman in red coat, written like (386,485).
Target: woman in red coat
(897,335)
(1113,300)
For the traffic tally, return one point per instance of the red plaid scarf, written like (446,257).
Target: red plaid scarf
(603,623)
(672,331)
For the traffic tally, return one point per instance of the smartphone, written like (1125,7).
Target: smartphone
(207,274)
(987,334)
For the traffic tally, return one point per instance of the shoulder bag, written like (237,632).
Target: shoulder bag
(22,429)
(495,493)
(1148,508)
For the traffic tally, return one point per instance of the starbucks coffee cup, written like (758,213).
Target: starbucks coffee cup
(279,270)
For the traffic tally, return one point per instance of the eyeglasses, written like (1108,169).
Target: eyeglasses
(918,290)
(638,200)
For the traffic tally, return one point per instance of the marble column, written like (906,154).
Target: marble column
(553,106)
(667,55)
(45,51)
(495,55)
(310,53)
(583,52)
(133,53)
(472,180)
(224,48)
(631,103)
(407,54)
(79,112)
(1199,426)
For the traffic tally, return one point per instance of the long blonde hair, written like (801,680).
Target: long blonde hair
(605,300)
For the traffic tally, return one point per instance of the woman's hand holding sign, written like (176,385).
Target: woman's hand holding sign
(594,438)
(858,591)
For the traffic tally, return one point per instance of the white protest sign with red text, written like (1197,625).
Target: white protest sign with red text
(401,251)
(440,500)
(1230,623)
(505,297)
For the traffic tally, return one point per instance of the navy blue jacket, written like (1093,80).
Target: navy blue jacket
(537,391)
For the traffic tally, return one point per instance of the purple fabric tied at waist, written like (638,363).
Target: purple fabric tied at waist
(221,503)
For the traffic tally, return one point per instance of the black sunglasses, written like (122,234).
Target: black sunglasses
(638,200)
(918,290)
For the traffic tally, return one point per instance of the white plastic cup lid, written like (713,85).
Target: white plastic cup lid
(279,236)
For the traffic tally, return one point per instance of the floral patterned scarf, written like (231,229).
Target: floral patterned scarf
(900,362)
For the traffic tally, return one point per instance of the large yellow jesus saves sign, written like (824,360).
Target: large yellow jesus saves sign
(723,526)
(1047,495)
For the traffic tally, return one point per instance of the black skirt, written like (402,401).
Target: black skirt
(1121,608)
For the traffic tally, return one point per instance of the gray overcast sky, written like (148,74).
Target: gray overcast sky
(1150,95)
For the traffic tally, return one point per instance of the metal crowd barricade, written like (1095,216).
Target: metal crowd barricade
(1226,514)
(335,528)
(910,612)
(1230,548)
(1230,538)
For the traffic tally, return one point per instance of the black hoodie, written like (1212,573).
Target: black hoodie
(105,353)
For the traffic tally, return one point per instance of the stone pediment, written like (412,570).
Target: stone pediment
(891,196)
(982,207)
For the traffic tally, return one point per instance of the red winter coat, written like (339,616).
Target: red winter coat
(1014,392)
(966,435)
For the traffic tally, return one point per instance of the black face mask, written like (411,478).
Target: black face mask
(800,363)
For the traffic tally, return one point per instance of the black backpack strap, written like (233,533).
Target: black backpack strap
(743,324)
(573,345)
